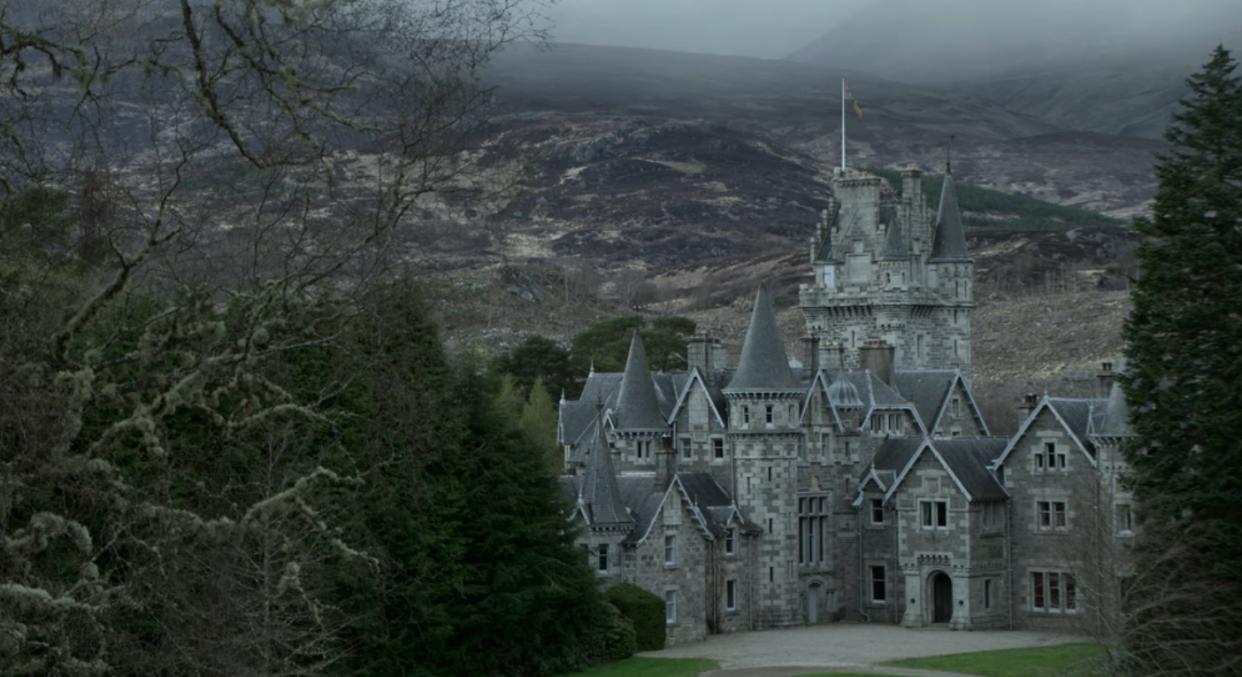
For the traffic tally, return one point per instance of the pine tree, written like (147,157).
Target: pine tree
(538,421)
(1184,344)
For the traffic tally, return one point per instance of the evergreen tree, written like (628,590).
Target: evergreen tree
(538,421)
(1184,344)
(606,344)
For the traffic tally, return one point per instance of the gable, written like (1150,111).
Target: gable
(1043,417)
(693,388)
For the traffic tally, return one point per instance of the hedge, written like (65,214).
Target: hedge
(644,610)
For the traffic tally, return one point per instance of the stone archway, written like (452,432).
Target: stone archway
(940,594)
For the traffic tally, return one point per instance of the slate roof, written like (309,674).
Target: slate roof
(949,243)
(764,365)
(1116,419)
(968,458)
(895,244)
(638,405)
(599,495)
(575,418)
(710,498)
(894,453)
(842,392)
(926,389)
(1078,414)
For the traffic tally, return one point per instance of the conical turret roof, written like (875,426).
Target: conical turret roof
(895,246)
(599,496)
(1116,414)
(764,366)
(637,405)
(949,242)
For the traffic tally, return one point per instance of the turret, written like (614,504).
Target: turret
(637,420)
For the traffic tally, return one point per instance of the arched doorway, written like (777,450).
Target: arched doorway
(812,604)
(942,597)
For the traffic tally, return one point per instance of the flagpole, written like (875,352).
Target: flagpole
(843,125)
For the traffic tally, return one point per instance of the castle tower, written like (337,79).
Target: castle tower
(764,434)
(951,274)
(638,426)
(885,270)
(599,506)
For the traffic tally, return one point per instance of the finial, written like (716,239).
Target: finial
(841,354)
(562,394)
(592,371)
(948,155)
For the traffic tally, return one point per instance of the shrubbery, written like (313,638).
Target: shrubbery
(644,610)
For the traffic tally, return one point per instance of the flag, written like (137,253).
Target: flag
(853,102)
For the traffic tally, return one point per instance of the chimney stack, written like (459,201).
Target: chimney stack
(810,352)
(1029,402)
(666,462)
(1106,377)
(877,356)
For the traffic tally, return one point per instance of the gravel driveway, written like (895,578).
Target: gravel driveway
(851,646)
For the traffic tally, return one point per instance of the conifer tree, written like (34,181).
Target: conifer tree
(538,421)
(1184,344)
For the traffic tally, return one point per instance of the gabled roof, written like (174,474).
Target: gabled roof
(711,507)
(949,241)
(1074,415)
(764,366)
(696,379)
(599,497)
(925,446)
(929,390)
(638,406)
(575,417)
(969,458)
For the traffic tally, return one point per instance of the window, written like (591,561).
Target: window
(770,525)
(812,529)
(730,594)
(987,593)
(670,551)
(685,448)
(1125,519)
(793,414)
(1053,591)
(769,473)
(879,593)
(955,406)
(771,574)
(601,563)
(730,540)
(670,607)
(1050,514)
(1051,458)
(745,415)
(877,511)
(767,414)
(935,514)
(718,447)
(642,449)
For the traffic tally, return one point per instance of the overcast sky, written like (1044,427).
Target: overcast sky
(775,28)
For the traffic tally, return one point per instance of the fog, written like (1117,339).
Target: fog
(916,37)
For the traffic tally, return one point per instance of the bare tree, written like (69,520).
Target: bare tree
(259,157)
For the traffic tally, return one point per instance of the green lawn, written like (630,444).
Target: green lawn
(1076,660)
(640,666)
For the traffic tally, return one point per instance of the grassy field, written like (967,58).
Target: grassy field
(1014,212)
(1074,660)
(640,666)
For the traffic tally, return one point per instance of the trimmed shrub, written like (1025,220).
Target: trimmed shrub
(644,610)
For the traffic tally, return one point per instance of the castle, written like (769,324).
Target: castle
(863,485)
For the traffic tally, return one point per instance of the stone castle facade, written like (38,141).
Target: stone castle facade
(864,485)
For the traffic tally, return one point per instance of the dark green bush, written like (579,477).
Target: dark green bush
(644,610)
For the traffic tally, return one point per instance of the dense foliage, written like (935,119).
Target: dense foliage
(605,344)
(1011,211)
(645,611)
(1184,344)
